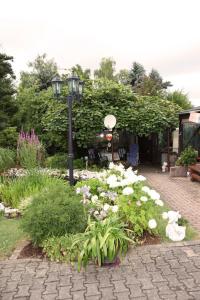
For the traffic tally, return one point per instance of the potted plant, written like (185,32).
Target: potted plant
(188,157)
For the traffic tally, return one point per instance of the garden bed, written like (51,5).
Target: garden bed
(97,220)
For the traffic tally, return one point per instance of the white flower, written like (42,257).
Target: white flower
(145,189)
(159,202)
(78,190)
(119,168)
(115,208)
(114,184)
(111,165)
(154,195)
(127,191)
(106,207)
(94,199)
(175,232)
(96,213)
(111,179)
(141,178)
(152,223)
(2,207)
(102,194)
(135,172)
(165,215)
(138,203)
(144,198)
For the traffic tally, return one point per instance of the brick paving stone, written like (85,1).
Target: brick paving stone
(122,295)
(107,293)
(136,291)
(50,288)
(36,294)
(64,292)
(92,289)
(78,295)
(120,286)
(7,296)
(23,291)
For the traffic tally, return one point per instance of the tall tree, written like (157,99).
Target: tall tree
(106,69)
(151,85)
(180,98)
(83,74)
(137,74)
(8,105)
(41,74)
(123,77)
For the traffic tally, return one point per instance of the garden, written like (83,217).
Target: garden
(96,220)
(110,208)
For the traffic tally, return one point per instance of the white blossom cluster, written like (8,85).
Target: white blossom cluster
(121,180)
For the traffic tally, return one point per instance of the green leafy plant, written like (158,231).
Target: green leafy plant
(54,212)
(60,248)
(15,192)
(101,240)
(7,159)
(187,157)
(138,213)
(57,161)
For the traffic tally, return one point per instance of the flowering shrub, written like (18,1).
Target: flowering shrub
(119,191)
(30,151)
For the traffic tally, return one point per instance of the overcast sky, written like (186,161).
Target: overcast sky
(161,34)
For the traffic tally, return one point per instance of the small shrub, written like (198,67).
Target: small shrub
(7,159)
(54,212)
(8,138)
(13,192)
(79,164)
(187,157)
(57,161)
(30,152)
(60,248)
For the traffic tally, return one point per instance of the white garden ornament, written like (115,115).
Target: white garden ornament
(174,232)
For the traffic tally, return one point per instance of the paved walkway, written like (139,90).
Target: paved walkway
(149,272)
(179,192)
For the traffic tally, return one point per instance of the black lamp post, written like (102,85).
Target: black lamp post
(75,87)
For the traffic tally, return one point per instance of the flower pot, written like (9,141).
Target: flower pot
(178,171)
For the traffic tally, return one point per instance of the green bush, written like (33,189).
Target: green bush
(54,212)
(14,192)
(57,161)
(79,163)
(7,159)
(8,137)
(187,157)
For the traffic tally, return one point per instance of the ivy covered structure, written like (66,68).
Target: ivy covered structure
(189,131)
(142,121)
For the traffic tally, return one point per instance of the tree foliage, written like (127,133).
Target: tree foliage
(41,74)
(106,69)
(180,98)
(7,101)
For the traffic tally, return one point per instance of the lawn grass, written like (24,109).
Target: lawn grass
(10,236)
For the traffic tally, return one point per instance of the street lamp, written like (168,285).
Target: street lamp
(75,88)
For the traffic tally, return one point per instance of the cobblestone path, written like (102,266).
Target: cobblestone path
(179,192)
(169,271)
